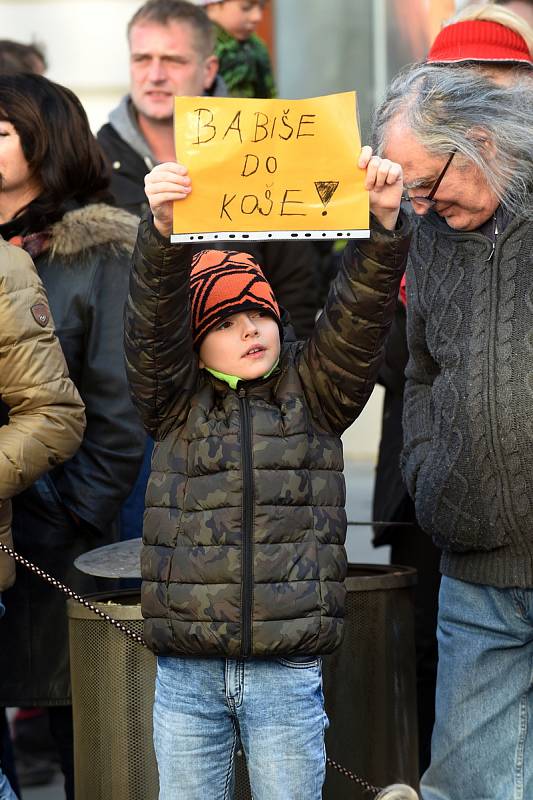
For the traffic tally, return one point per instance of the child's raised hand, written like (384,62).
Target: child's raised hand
(384,181)
(164,184)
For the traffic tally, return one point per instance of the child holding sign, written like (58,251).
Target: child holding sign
(243,560)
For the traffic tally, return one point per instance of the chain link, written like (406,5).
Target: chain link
(368,787)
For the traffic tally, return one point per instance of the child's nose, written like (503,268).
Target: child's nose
(249,325)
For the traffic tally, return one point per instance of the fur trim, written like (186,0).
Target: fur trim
(96,225)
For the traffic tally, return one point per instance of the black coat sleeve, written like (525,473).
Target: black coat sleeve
(99,477)
(392,371)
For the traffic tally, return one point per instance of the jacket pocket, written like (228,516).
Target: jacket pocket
(46,492)
(447,510)
(299,662)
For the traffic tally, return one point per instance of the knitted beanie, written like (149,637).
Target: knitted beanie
(225,282)
(478,40)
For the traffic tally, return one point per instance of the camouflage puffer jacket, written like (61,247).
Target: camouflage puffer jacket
(244,526)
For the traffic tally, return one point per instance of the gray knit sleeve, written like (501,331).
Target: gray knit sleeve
(420,373)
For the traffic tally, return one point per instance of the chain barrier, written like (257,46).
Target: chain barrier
(71,593)
(367,787)
(382,794)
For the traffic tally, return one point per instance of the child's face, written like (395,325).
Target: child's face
(245,345)
(239,18)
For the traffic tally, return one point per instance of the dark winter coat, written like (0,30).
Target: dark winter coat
(73,509)
(468,455)
(292,268)
(245,522)
(390,492)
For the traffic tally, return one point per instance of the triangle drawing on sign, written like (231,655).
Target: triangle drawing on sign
(326,190)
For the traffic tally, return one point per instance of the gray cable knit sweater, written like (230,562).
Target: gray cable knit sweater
(468,413)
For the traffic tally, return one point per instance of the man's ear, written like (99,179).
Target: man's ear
(483,140)
(210,71)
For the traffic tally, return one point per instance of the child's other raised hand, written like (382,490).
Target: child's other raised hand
(164,184)
(384,181)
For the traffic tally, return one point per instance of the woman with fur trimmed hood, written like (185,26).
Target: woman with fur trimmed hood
(54,204)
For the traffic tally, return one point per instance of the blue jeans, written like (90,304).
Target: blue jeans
(274,707)
(6,792)
(483,737)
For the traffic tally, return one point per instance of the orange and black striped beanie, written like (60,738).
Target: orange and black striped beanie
(225,282)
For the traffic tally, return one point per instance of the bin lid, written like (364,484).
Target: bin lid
(372,577)
(118,560)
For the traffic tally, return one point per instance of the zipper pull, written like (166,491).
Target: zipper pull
(496,232)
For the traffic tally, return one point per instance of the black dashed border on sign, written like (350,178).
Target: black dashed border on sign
(264,236)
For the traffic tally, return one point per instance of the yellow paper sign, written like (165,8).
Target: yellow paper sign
(270,169)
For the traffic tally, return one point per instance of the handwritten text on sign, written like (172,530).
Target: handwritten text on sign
(264,169)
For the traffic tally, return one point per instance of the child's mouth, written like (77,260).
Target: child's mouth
(254,352)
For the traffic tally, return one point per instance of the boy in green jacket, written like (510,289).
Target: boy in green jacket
(244,61)
(243,561)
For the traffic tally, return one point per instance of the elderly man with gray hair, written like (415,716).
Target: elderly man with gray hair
(466,148)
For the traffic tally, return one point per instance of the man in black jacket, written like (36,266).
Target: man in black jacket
(172,54)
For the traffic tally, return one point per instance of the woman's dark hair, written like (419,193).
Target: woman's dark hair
(57,143)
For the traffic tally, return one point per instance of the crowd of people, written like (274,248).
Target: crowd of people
(209,416)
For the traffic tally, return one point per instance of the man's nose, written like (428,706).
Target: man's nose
(420,209)
(157,71)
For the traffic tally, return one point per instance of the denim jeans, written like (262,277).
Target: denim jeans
(6,792)
(483,737)
(274,707)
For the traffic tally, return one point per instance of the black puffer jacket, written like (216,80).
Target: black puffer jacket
(85,271)
(245,522)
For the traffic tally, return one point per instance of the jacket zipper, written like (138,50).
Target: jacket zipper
(495,438)
(247,525)
(494,241)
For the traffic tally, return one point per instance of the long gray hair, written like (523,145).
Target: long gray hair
(461,109)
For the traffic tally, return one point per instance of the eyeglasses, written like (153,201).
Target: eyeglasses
(429,202)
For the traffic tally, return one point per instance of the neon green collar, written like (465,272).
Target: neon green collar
(233,380)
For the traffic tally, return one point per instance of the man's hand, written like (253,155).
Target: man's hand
(384,181)
(164,184)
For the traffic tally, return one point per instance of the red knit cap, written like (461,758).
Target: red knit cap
(224,282)
(478,40)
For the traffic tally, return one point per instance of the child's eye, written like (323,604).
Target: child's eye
(223,325)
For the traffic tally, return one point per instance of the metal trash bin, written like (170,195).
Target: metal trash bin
(112,697)
(370,684)
(369,688)
(113,681)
